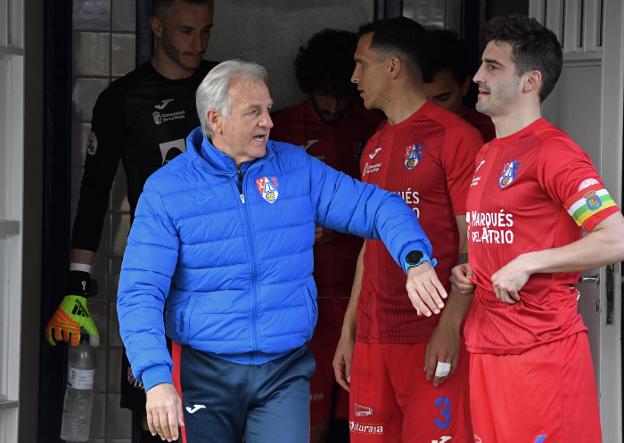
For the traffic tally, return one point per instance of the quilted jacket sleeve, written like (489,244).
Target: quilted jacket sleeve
(348,205)
(148,266)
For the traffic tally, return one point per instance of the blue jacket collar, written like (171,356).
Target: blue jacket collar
(206,155)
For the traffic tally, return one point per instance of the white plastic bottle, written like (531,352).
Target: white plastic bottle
(78,401)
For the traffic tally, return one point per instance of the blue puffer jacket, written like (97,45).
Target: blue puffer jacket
(228,254)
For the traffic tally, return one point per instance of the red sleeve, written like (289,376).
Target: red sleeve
(570,178)
(461,145)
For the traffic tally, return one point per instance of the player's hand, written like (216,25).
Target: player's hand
(163,409)
(342,360)
(442,350)
(71,315)
(323,235)
(425,290)
(511,278)
(461,279)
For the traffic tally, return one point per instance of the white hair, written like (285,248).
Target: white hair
(213,92)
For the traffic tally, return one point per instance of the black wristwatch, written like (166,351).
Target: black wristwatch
(415,258)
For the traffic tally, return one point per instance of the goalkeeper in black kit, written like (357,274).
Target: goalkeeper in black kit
(142,120)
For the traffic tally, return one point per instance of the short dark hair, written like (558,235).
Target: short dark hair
(160,7)
(446,51)
(403,35)
(326,64)
(534,47)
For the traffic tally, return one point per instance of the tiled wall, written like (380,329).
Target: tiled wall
(104,49)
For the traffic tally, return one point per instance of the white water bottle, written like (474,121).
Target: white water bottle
(78,401)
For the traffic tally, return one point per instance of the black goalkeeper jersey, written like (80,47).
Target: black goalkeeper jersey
(141,119)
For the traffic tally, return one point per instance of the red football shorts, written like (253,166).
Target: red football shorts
(391,401)
(544,395)
(327,399)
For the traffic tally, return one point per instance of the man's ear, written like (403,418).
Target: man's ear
(215,121)
(532,81)
(393,66)
(156,26)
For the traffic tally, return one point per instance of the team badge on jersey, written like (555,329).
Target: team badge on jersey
(413,155)
(509,174)
(268,188)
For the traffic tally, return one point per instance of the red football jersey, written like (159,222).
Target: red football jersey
(482,122)
(340,145)
(532,190)
(428,160)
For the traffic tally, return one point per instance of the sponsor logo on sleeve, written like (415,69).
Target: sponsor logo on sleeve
(442,439)
(413,155)
(509,173)
(370,169)
(587,183)
(268,188)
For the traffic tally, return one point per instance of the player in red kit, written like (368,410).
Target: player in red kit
(425,154)
(333,126)
(450,80)
(532,194)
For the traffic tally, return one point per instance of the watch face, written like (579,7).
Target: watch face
(414,257)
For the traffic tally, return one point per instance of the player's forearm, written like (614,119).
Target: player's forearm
(603,245)
(455,310)
(348,325)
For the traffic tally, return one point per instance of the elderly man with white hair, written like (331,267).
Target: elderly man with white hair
(222,244)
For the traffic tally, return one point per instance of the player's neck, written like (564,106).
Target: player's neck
(516,120)
(403,103)
(168,68)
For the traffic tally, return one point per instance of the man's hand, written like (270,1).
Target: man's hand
(71,315)
(461,279)
(442,352)
(164,411)
(509,279)
(425,290)
(342,360)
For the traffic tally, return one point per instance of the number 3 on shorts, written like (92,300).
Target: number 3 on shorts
(445,411)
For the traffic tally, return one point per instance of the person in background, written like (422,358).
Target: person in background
(141,120)
(408,375)
(449,68)
(222,244)
(333,126)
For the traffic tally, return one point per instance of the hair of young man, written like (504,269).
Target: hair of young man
(534,47)
(446,51)
(160,7)
(403,37)
(325,65)
(213,93)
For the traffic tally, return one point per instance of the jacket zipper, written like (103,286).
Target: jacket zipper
(241,190)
